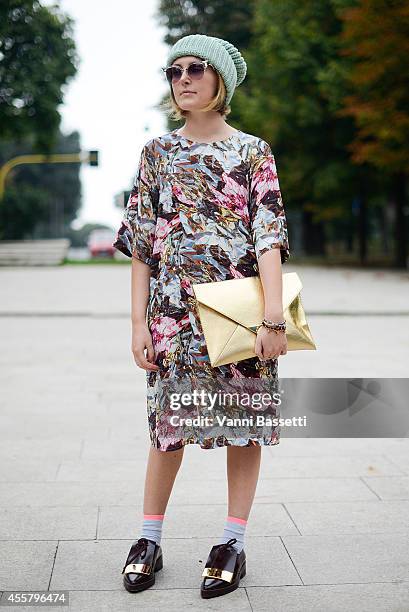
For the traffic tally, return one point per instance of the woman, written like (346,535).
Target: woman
(205,206)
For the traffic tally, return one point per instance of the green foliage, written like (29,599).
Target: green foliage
(21,210)
(41,200)
(378,92)
(37,58)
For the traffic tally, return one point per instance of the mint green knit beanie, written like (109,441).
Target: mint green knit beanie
(223,56)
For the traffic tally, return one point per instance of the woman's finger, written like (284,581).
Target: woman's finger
(258,349)
(150,352)
(142,362)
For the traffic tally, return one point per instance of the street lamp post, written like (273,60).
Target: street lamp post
(87,157)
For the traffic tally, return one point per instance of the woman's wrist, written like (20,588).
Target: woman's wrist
(138,320)
(275,316)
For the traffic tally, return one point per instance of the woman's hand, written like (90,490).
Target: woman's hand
(270,344)
(141,339)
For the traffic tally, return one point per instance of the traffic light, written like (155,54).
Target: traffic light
(93,158)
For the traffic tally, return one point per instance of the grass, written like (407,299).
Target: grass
(96,261)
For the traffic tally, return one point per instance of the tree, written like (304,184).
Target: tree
(37,57)
(376,40)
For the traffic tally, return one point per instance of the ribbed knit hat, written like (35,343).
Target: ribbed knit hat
(224,56)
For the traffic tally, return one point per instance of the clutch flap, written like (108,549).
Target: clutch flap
(242,299)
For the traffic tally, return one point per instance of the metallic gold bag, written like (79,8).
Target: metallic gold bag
(230,311)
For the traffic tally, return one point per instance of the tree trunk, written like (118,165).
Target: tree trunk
(363,231)
(313,236)
(362,221)
(401,247)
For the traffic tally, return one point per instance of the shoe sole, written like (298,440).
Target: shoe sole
(136,588)
(207,594)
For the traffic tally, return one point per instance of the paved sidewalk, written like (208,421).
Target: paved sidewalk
(328,530)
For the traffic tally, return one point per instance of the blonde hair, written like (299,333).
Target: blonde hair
(217,103)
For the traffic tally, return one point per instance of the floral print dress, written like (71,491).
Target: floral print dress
(199,212)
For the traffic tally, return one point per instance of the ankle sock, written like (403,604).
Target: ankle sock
(234,528)
(152,527)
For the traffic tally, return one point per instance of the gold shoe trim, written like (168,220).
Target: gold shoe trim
(215,572)
(138,568)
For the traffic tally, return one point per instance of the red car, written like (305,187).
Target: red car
(100,243)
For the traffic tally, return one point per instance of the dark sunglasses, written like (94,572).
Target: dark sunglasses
(195,71)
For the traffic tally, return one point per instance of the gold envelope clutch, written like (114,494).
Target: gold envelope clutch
(230,311)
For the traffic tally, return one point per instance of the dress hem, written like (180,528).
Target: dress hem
(226,442)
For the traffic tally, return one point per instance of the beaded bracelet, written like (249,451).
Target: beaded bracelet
(270,326)
(268,323)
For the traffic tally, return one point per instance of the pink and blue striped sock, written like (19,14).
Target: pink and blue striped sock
(234,528)
(152,527)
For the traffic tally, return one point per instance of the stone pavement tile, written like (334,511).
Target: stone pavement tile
(336,559)
(130,417)
(55,410)
(121,522)
(213,465)
(130,393)
(93,471)
(384,597)
(200,464)
(191,493)
(268,563)
(47,522)
(52,425)
(116,448)
(359,357)
(58,447)
(132,431)
(312,490)
(132,435)
(22,469)
(45,390)
(392,487)
(399,459)
(310,447)
(329,466)
(350,517)
(37,494)
(26,565)
(90,565)
(97,565)
(196,492)
(105,289)
(345,288)
(75,435)
(213,461)
(123,493)
(152,600)
(277,490)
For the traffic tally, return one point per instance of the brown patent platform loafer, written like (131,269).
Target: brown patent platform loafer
(223,570)
(144,559)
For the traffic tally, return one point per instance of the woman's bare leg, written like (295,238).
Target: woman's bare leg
(161,471)
(243,468)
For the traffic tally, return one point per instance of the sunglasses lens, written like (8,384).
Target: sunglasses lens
(196,70)
(173,74)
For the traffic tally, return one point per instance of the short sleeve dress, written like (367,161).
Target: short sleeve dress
(200,212)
